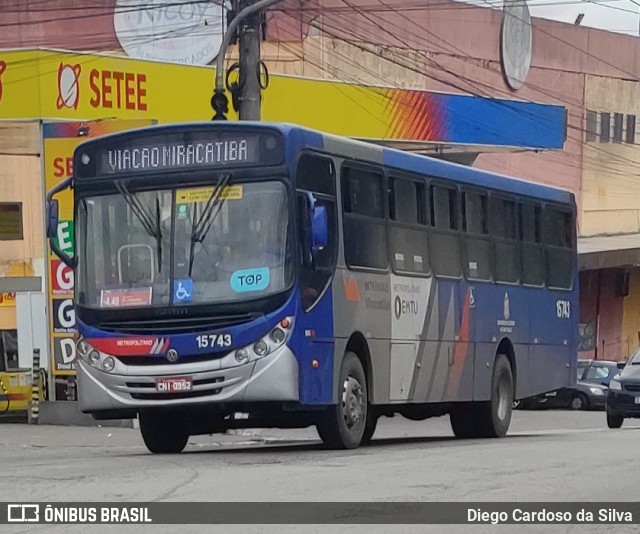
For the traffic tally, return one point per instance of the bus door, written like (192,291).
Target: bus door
(409,302)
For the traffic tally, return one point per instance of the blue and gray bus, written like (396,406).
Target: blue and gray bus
(258,275)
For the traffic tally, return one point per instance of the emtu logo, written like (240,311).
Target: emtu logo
(68,86)
(3,67)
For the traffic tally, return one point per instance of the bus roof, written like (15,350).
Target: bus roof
(389,157)
(438,168)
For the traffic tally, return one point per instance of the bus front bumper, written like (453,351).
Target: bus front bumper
(272,378)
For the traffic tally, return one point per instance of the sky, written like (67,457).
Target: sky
(614,15)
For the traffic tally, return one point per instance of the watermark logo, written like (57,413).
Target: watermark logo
(23,513)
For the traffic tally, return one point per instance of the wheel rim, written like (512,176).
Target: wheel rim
(503,399)
(352,402)
(576,403)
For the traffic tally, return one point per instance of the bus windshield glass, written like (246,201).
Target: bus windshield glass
(192,245)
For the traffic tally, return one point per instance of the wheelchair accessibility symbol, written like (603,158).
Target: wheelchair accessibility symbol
(182,290)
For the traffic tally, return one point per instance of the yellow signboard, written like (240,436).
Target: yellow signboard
(7,300)
(203,194)
(71,86)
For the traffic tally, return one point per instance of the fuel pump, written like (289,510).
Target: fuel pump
(15,383)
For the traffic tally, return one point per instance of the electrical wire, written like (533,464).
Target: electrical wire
(386,8)
(579,129)
(577,167)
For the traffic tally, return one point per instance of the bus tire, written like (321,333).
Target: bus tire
(343,424)
(162,435)
(488,419)
(370,426)
(463,422)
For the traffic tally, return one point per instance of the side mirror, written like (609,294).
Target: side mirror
(53,213)
(318,224)
(53,210)
(319,227)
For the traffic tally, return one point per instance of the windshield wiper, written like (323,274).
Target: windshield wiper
(153,228)
(200,227)
(158,235)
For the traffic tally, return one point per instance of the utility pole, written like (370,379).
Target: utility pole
(247,23)
(249,74)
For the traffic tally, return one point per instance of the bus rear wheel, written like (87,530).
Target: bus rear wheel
(487,419)
(343,425)
(161,434)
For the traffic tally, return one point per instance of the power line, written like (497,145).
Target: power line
(385,8)
(423,72)
(493,89)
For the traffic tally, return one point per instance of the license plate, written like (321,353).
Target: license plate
(637,400)
(174,385)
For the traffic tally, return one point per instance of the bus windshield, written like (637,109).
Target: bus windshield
(193,245)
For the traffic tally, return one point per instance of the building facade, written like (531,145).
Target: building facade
(337,67)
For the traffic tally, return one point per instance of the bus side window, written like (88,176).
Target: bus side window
(365,235)
(531,250)
(444,236)
(503,229)
(316,174)
(559,245)
(477,245)
(407,230)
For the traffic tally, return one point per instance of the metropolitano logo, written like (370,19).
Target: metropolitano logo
(23,513)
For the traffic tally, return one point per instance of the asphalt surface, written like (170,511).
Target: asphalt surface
(548,456)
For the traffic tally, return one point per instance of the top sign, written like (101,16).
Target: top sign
(178,31)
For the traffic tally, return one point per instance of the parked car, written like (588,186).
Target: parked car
(623,396)
(592,383)
(590,391)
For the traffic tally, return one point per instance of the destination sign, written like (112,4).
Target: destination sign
(182,155)
(185,150)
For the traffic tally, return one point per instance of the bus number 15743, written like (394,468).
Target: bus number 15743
(213,340)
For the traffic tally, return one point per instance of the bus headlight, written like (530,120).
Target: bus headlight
(242,356)
(261,348)
(94,357)
(108,364)
(278,336)
(83,347)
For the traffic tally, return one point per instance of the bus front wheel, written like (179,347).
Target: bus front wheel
(343,424)
(487,419)
(161,434)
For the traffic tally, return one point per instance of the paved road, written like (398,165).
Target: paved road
(548,456)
